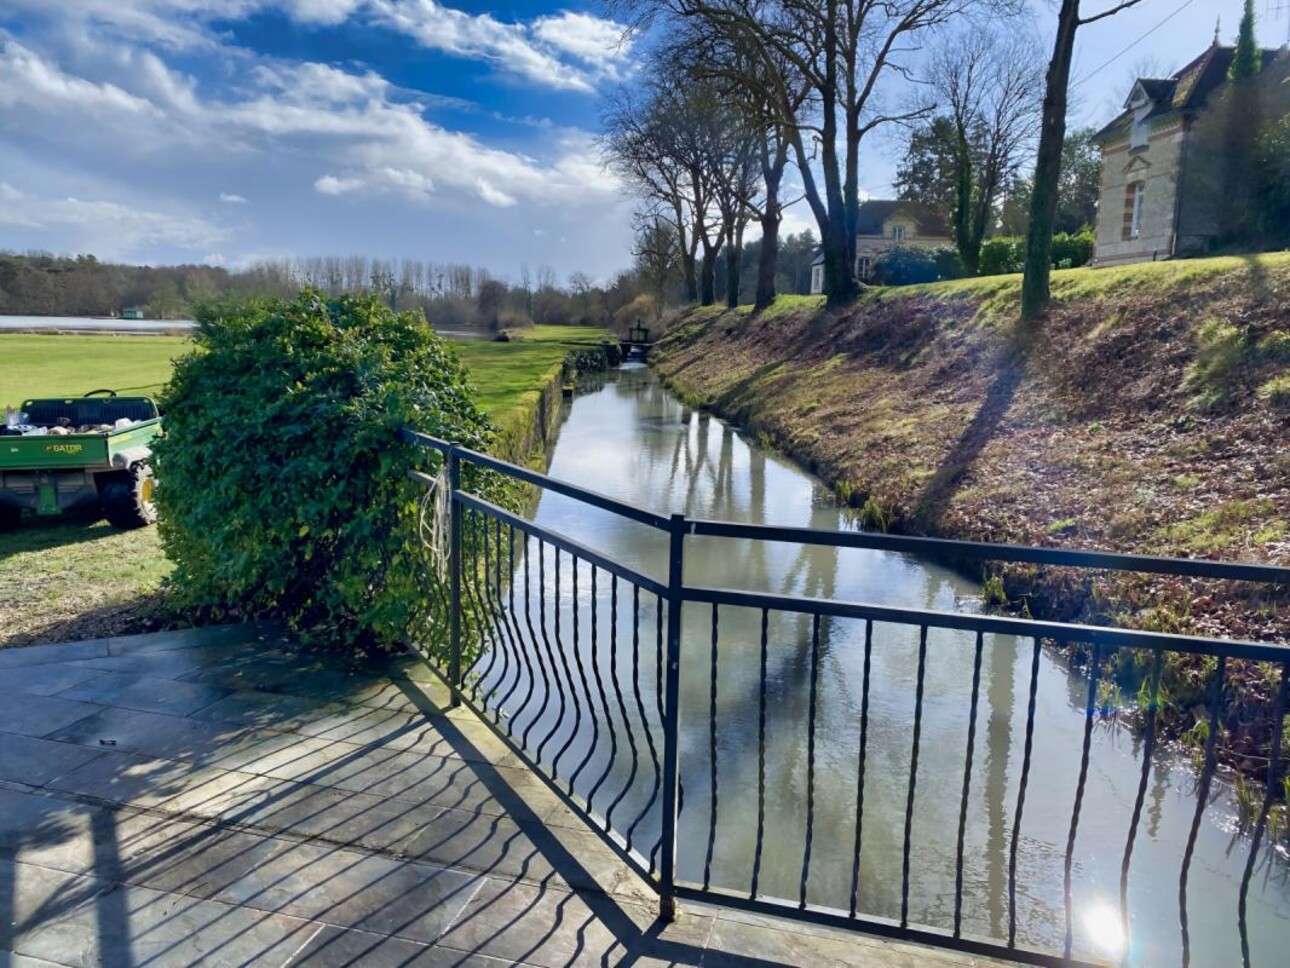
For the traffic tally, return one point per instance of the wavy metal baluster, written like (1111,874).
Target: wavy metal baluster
(529,647)
(582,675)
(1202,798)
(1089,709)
(1148,750)
(516,633)
(497,612)
(568,673)
(551,655)
(1021,795)
(864,742)
(913,775)
(761,753)
(604,695)
(1274,763)
(810,760)
(640,709)
(967,785)
(622,709)
(712,755)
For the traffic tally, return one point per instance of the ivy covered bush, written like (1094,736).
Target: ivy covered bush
(282,481)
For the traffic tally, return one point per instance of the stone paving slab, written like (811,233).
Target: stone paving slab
(218,796)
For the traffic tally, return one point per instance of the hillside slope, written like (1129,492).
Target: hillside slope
(1150,413)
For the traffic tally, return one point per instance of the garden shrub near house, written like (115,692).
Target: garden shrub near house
(1004,255)
(283,482)
(907,265)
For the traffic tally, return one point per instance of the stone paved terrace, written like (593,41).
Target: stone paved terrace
(216,797)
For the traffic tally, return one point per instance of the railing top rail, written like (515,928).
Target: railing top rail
(594,498)
(997,624)
(943,548)
(557,540)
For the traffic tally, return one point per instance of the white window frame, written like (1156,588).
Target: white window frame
(898,233)
(1139,193)
(817,279)
(864,267)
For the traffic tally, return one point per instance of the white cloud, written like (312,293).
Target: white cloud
(104,227)
(351,121)
(603,43)
(331,185)
(29,80)
(232,199)
(532,52)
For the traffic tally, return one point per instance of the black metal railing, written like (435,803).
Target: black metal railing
(648,729)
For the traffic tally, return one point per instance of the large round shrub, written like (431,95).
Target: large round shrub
(283,483)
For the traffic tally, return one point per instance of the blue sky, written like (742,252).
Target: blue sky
(222,132)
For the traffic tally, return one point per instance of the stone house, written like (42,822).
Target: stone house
(883,225)
(1155,202)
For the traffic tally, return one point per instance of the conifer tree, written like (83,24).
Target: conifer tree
(1249,59)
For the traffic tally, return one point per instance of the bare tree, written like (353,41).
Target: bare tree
(1035,291)
(840,51)
(987,80)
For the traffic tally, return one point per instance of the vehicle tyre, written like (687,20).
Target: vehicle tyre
(10,518)
(127,498)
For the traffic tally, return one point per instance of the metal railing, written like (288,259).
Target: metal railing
(581,663)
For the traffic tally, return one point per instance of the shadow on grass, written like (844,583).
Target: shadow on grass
(43,534)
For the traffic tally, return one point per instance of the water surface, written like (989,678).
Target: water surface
(634,441)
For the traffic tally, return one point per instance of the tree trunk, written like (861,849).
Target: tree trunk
(767,259)
(772,171)
(690,274)
(734,254)
(1035,293)
(708,273)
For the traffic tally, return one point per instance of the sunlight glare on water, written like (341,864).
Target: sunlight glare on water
(1103,928)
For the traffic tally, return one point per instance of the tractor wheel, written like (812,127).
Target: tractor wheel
(10,517)
(127,498)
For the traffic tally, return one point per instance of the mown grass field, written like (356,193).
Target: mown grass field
(54,365)
(71,578)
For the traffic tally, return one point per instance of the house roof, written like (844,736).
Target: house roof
(873,215)
(1186,91)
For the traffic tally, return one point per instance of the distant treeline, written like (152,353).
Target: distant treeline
(452,295)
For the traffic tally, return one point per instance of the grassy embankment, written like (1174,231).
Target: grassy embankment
(1149,413)
(68,579)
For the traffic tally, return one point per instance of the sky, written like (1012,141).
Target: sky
(168,131)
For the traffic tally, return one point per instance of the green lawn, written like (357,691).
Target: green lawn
(56,365)
(73,579)
(509,376)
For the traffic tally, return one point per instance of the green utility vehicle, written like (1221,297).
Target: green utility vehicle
(80,454)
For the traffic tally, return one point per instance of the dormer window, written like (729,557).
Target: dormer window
(898,233)
(1141,104)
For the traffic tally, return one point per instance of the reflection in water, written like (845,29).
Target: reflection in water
(632,440)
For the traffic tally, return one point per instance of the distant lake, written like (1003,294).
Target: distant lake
(99,324)
(94,324)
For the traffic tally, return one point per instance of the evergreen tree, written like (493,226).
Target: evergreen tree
(1249,59)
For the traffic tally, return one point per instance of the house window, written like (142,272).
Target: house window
(817,279)
(898,233)
(1134,194)
(864,268)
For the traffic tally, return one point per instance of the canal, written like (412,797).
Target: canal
(634,441)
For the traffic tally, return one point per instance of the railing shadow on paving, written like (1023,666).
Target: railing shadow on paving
(576,661)
(229,815)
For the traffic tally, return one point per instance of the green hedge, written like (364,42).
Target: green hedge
(1007,254)
(282,481)
(907,265)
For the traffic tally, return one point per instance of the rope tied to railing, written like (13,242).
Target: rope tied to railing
(433,522)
